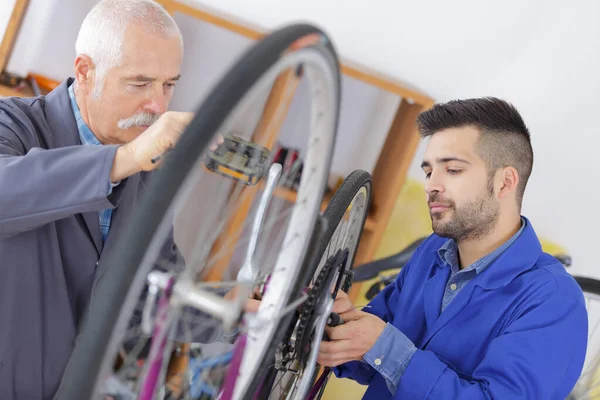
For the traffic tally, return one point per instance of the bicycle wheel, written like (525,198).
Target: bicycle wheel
(588,384)
(295,370)
(163,321)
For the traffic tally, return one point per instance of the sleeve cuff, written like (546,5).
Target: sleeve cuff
(359,371)
(390,355)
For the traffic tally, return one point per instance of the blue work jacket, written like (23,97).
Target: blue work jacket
(518,330)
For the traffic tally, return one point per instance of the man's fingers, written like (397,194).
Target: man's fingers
(252,305)
(335,353)
(335,347)
(183,117)
(341,295)
(180,122)
(351,315)
(341,308)
(342,303)
(216,143)
(340,332)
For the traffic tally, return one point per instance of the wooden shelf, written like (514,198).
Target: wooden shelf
(6,91)
(9,36)
(290,195)
(251,31)
(396,155)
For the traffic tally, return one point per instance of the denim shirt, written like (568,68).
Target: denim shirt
(392,351)
(88,138)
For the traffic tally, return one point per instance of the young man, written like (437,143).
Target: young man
(70,166)
(479,312)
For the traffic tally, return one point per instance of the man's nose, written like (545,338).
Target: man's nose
(156,103)
(434,184)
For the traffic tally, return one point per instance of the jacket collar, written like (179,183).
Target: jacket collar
(516,259)
(59,115)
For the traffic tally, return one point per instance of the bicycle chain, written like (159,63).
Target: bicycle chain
(307,312)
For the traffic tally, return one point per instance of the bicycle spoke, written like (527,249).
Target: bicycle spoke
(170,349)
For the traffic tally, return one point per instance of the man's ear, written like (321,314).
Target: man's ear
(507,180)
(84,71)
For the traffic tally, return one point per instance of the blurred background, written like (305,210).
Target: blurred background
(543,56)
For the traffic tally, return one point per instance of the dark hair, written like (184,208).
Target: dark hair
(504,139)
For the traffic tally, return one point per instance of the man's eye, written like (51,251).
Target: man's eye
(427,175)
(454,171)
(170,85)
(138,85)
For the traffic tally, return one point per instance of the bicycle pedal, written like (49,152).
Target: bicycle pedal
(239,159)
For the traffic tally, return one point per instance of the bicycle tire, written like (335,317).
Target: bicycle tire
(335,212)
(82,371)
(331,217)
(340,202)
(589,285)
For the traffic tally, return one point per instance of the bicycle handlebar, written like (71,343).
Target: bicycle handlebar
(370,270)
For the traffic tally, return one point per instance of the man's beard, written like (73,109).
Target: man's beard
(470,221)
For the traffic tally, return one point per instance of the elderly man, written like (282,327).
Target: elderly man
(71,167)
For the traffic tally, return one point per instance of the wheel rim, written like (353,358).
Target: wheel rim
(308,201)
(588,384)
(345,237)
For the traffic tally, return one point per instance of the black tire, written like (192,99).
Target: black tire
(580,390)
(339,204)
(84,366)
(331,218)
(589,285)
(333,215)
(340,201)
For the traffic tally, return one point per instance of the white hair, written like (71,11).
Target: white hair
(103,30)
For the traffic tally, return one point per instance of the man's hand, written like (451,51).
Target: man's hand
(351,340)
(252,303)
(136,155)
(219,140)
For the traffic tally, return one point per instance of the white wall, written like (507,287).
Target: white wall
(540,55)
(46,22)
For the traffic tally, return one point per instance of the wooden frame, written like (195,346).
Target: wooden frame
(9,39)
(12,29)
(394,160)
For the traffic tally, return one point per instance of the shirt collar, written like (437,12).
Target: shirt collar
(449,253)
(86,136)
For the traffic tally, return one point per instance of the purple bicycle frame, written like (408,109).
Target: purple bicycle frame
(158,348)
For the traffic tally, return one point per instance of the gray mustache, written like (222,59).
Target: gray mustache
(142,119)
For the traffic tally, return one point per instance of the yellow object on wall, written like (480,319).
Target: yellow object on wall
(409,221)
